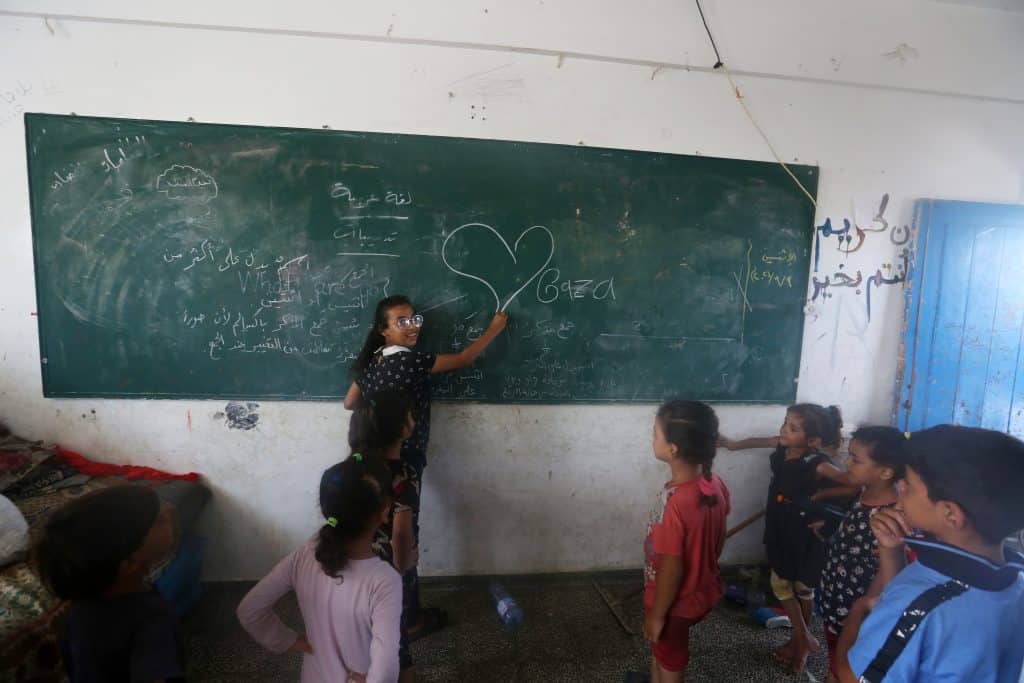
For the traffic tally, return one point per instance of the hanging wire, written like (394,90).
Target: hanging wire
(739,97)
(713,46)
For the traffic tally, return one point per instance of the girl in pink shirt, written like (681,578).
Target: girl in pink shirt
(350,600)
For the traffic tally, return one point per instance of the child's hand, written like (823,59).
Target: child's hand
(726,442)
(890,527)
(302,645)
(653,626)
(869,602)
(499,321)
(816,527)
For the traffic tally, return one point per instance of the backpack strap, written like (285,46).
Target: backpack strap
(907,625)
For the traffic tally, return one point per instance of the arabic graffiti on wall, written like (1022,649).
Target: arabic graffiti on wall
(849,239)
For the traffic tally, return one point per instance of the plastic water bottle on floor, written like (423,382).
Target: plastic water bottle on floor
(769,617)
(509,612)
(751,598)
(756,599)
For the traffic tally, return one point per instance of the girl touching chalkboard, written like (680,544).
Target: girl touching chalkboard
(388,361)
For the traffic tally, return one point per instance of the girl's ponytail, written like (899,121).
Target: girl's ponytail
(332,543)
(352,495)
(708,496)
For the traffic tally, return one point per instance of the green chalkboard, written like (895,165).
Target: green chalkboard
(196,260)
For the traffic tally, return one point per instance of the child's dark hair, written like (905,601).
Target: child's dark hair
(888,447)
(692,427)
(378,422)
(84,543)
(820,422)
(980,470)
(375,337)
(352,494)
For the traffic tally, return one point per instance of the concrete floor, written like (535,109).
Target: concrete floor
(568,635)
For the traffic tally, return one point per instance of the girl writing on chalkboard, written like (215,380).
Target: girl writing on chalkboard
(389,361)
(796,554)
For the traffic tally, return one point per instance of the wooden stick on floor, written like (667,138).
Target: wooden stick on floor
(745,523)
(614,603)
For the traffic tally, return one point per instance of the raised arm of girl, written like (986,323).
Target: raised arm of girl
(465,358)
(827,470)
(396,328)
(752,442)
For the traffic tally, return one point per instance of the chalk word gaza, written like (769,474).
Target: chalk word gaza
(550,286)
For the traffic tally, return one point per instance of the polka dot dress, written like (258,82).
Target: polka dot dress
(851,565)
(405,371)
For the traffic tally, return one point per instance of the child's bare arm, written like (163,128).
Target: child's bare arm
(463,359)
(352,397)
(403,542)
(859,611)
(827,470)
(751,442)
(666,588)
(256,611)
(891,562)
(890,528)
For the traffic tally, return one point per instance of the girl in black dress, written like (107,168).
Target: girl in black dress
(796,554)
(390,361)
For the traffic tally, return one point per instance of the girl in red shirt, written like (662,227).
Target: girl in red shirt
(684,537)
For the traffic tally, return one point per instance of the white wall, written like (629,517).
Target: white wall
(911,98)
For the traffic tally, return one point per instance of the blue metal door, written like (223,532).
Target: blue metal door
(964,318)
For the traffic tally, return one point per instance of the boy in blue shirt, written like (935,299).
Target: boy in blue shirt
(957,612)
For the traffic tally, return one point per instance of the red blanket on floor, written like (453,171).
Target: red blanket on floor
(102,469)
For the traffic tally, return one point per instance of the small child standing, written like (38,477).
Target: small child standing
(876,463)
(957,612)
(795,553)
(378,428)
(350,600)
(97,552)
(685,536)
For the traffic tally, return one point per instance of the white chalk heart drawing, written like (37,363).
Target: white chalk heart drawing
(511,252)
